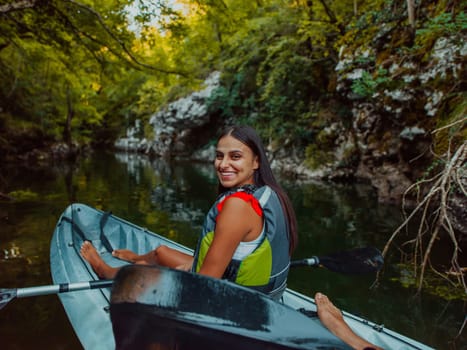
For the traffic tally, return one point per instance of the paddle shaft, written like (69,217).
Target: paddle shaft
(313,261)
(358,260)
(73,287)
(61,288)
(6,295)
(355,261)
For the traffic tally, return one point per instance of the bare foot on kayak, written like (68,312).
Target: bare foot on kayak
(90,254)
(331,317)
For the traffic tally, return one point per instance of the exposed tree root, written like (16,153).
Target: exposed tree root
(442,185)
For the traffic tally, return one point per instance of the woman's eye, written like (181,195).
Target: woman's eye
(236,156)
(219,156)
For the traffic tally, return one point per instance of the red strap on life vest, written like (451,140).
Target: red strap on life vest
(247,197)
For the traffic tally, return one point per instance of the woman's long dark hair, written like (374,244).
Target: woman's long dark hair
(264,176)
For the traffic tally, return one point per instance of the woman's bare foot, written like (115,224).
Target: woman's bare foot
(332,318)
(90,254)
(328,313)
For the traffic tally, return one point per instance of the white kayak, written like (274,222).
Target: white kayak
(89,310)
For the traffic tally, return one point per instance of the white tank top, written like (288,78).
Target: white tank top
(246,248)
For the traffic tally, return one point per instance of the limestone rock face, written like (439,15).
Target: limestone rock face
(177,126)
(392,123)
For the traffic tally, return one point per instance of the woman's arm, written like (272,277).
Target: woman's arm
(236,222)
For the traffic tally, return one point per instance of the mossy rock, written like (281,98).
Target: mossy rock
(451,125)
(316,157)
(326,137)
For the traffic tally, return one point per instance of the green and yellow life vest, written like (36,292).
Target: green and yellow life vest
(266,268)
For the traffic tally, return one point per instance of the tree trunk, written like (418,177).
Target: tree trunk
(411,12)
(67,128)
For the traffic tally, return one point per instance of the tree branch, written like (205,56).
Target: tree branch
(18,5)
(439,191)
(120,43)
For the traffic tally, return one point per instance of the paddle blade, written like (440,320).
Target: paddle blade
(6,295)
(355,261)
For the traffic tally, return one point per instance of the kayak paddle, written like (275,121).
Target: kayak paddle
(354,261)
(6,295)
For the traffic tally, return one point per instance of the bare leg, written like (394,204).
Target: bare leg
(162,255)
(332,318)
(128,255)
(173,258)
(94,259)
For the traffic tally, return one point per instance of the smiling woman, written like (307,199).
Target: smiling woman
(235,163)
(254,251)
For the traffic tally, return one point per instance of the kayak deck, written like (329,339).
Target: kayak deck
(89,310)
(187,308)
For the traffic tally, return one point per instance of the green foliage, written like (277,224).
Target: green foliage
(277,60)
(227,100)
(284,59)
(365,60)
(434,283)
(23,195)
(376,13)
(367,85)
(316,156)
(74,67)
(444,24)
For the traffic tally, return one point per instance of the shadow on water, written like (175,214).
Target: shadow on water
(171,199)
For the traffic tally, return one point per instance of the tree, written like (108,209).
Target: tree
(56,58)
(411,13)
(103,24)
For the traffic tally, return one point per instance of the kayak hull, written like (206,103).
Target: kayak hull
(157,305)
(91,309)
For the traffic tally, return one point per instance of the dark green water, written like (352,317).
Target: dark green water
(171,199)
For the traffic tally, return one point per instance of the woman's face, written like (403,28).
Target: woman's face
(235,162)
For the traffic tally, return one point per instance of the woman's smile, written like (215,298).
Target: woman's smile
(235,162)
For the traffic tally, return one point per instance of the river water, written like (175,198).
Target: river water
(171,199)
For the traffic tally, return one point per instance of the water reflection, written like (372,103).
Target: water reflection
(12,252)
(174,186)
